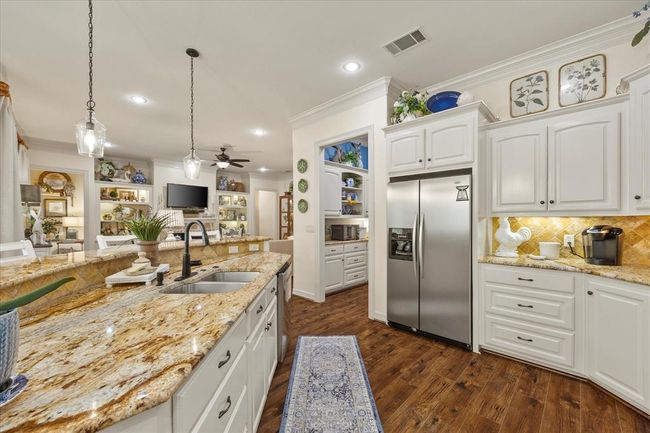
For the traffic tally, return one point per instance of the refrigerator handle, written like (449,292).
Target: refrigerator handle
(421,243)
(414,249)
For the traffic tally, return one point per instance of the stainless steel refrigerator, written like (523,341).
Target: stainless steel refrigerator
(429,257)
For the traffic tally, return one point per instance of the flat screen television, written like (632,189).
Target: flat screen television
(186,196)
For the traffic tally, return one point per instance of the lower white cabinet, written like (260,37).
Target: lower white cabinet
(594,327)
(345,265)
(227,390)
(618,338)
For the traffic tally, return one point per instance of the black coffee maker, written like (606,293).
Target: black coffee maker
(603,245)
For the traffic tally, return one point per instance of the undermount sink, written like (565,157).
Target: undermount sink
(220,282)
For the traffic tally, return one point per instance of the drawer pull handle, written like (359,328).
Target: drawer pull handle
(530,340)
(525,306)
(268,326)
(260,309)
(273,290)
(225,361)
(525,279)
(589,292)
(225,411)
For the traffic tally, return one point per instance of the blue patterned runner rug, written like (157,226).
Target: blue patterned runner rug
(328,389)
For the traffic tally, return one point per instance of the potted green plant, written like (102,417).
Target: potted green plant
(410,105)
(9,325)
(148,230)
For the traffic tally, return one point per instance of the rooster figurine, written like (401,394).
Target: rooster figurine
(509,240)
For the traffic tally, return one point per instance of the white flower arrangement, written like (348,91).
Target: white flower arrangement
(410,105)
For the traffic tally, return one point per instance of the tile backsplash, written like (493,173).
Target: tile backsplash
(636,243)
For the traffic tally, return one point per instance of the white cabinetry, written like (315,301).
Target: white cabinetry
(639,188)
(331,191)
(438,141)
(618,338)
(560,163)
(519,168)
(345,266)
(590,326)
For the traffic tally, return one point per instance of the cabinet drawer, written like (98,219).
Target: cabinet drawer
(230,399)
(355,276)
(558,281)
(536,343)
(190,401)
(355,260)
(331,250)
(271,289)
(256,310)
(530,305)
(357,246)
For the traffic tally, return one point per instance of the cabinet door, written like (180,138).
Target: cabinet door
(518,168)
(331,192)
(450,141)
(271,342)
(257,372)
(618,338)
(333,273)
(406,151)
(640,144)
(583,158)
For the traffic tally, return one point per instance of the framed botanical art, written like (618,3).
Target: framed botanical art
(583,80)
(56,207)
(529,94)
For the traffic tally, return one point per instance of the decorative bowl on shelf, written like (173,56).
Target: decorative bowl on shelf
(443,101)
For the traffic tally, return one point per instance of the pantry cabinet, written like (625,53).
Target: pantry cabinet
(346,265)
(560,163)
(333,272)
(618,338)
(639,188)
(438,141)
(331,191)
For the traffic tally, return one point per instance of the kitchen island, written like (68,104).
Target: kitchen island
(99,355)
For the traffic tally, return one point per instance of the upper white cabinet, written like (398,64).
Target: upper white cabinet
(331,191)
(564,162)
(618,338)
(639,187)
(439,141)
(584,160)
(406,150)
(519,168)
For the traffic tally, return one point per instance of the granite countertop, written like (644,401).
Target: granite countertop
(103,355)
(19,272)
(345,242)
(631,273)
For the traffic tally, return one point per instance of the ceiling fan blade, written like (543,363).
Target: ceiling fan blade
(240,160)
(234,164)
(222,157)
(213,164)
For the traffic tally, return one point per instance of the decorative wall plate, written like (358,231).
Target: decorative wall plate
(303,185)
(303,205)
(302,165)
(54,181)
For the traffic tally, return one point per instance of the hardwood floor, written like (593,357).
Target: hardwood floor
(422,385)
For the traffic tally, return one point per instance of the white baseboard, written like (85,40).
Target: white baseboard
(306,295)
(380,317)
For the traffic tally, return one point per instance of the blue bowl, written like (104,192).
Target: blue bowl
(443,101)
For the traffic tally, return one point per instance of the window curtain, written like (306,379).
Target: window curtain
(14,169)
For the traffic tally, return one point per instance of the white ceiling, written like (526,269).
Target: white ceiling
(261,62)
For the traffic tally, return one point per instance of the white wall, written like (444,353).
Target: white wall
(372,113)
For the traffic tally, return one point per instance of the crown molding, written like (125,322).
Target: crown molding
(478,106)
(360,95)
(581,44)
(635,75)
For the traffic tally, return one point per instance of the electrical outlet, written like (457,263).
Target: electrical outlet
(569,239)
(233,249)
(253,247)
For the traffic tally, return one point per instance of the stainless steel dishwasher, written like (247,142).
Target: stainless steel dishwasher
(284,314)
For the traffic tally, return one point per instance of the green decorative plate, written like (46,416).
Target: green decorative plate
(302,165)
(303,205)
(303,185)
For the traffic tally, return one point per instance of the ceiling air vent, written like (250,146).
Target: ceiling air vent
(406,42)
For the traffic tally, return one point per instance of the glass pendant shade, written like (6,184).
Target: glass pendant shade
(90,136)
(223,164)
(192,166)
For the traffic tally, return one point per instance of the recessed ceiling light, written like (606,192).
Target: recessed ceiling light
(259,132)
(138,99)
(351,66)
(263,169)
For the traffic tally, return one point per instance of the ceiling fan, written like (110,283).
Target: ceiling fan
(224,161)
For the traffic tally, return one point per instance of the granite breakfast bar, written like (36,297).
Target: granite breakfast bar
(96,356)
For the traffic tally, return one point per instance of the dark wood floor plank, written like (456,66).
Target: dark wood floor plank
(425,386)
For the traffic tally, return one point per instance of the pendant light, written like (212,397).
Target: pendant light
(89,132)
(192,164)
